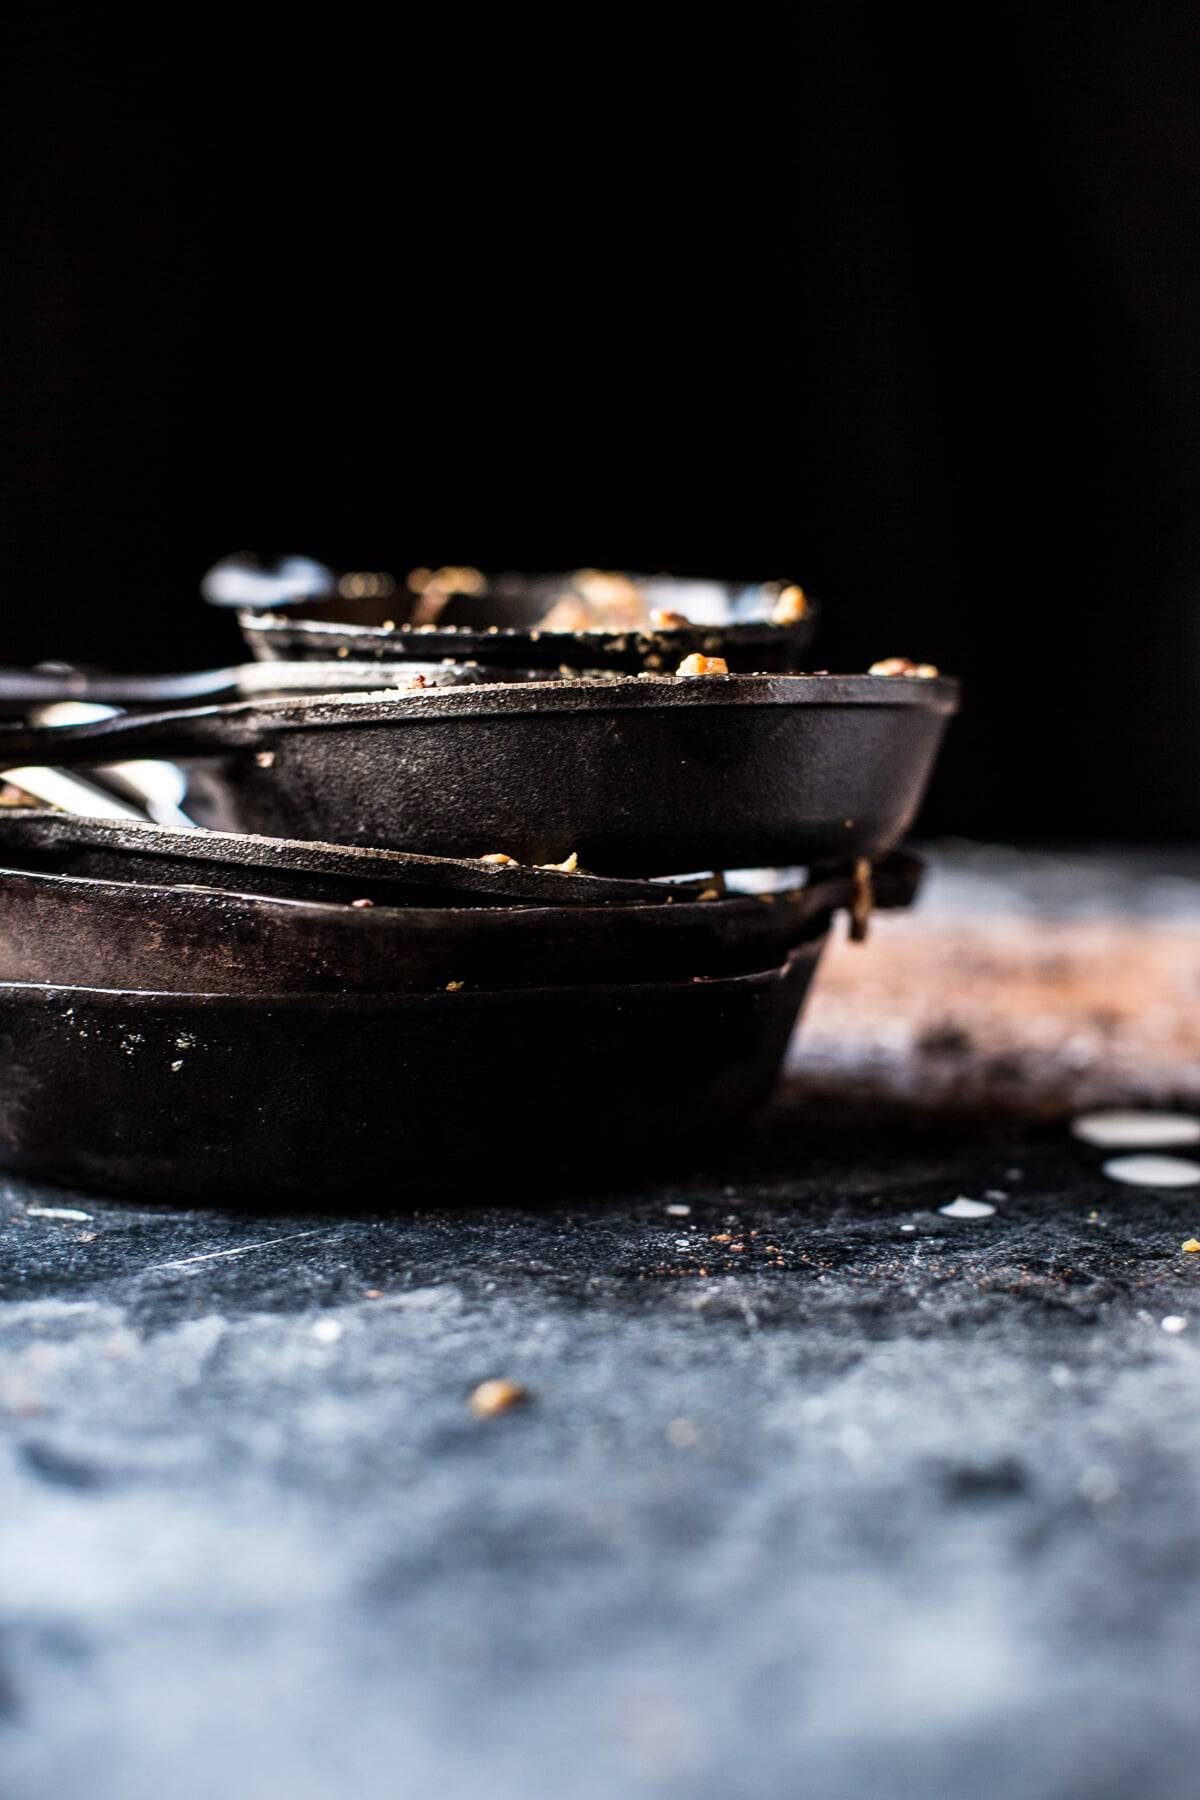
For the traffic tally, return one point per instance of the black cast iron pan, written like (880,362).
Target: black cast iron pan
(638,775)
(91,933)
(61,844)
(383,1100)
(298,609)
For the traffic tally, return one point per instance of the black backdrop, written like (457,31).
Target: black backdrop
(910,317)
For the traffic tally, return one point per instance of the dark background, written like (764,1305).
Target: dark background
(910,317)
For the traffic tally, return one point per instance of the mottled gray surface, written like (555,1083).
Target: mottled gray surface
(873,1513)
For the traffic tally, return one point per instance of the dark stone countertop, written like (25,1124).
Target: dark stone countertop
(802,1501)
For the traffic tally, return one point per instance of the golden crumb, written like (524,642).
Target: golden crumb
(703,665)
(496,1396)
(567,867)
(709,893)
(1191,1245)
(900,665)
(454,987)
(791,607)
(663,619)
(498,859)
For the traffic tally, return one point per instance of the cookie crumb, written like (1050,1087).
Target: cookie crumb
(496,1396)
(696,664)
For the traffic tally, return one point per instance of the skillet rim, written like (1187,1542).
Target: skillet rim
(615,694)
(380,1001)
(307,856)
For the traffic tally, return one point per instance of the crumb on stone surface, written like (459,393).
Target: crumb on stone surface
(498,1395)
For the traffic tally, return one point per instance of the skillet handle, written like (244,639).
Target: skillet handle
(50,687)
(895,879)
(196,731)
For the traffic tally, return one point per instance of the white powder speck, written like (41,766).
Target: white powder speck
(56,1212)
(1153,1171)
(327,1331)
(679,1211)
(1174,1323)
(908,1228)
(962,1208)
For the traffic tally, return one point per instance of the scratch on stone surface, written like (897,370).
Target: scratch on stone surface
(185,1262)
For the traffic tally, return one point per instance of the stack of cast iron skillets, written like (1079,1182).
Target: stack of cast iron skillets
(379,963)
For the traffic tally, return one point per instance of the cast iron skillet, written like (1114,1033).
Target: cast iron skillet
(61,844)
(638,775)
(384,1100)
(89,933)
(375,617)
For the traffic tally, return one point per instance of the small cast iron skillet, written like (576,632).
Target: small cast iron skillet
(84,932)
(502,625)
(383,1100)
(638,775)
(98,849)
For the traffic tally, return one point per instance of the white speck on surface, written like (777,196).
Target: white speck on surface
(1099,1486)
(327,1331)
(962,1208)
(175,1067)
(1061,1375)
(678,1211)
(683,1434)
(1174,1323)
(908,1228)
(683,1243)
(56,1212)
(1153,1171)
(1136,1130)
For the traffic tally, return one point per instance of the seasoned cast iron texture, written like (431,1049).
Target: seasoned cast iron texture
(59,843)
(87,933)
(640,776)
(291,1097)
(753,647)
